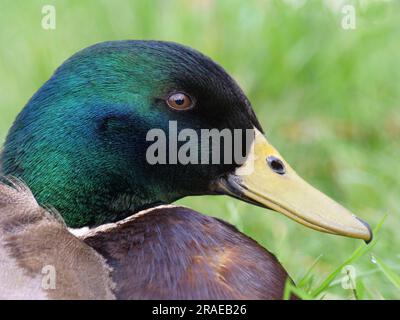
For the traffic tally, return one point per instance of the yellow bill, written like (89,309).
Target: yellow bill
(267,180)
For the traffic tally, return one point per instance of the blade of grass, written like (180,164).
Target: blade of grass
(360,289)
(286,290)
(388,272)
(291,288)
(303,281)
(359,252)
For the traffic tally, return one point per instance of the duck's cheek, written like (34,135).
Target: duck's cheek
(267,180)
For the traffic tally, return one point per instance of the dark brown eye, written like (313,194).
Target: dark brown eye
(179,101)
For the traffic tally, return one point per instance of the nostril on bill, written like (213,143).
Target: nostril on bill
(276,164)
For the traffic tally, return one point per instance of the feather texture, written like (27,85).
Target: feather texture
(167,252)
(171,252)
(33,241)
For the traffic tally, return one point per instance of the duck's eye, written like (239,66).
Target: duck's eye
(179,101)
(276,165)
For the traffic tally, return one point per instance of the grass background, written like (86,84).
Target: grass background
(328,98)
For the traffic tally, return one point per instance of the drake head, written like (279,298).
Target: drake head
(81,142)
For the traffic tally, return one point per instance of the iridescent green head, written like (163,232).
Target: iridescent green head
(80,142)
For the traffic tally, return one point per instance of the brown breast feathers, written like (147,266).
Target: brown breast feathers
(173,252)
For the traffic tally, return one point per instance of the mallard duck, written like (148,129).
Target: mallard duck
(80,147)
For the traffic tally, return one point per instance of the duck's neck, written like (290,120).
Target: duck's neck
(82,196)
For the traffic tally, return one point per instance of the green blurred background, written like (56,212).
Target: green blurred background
(327,97)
